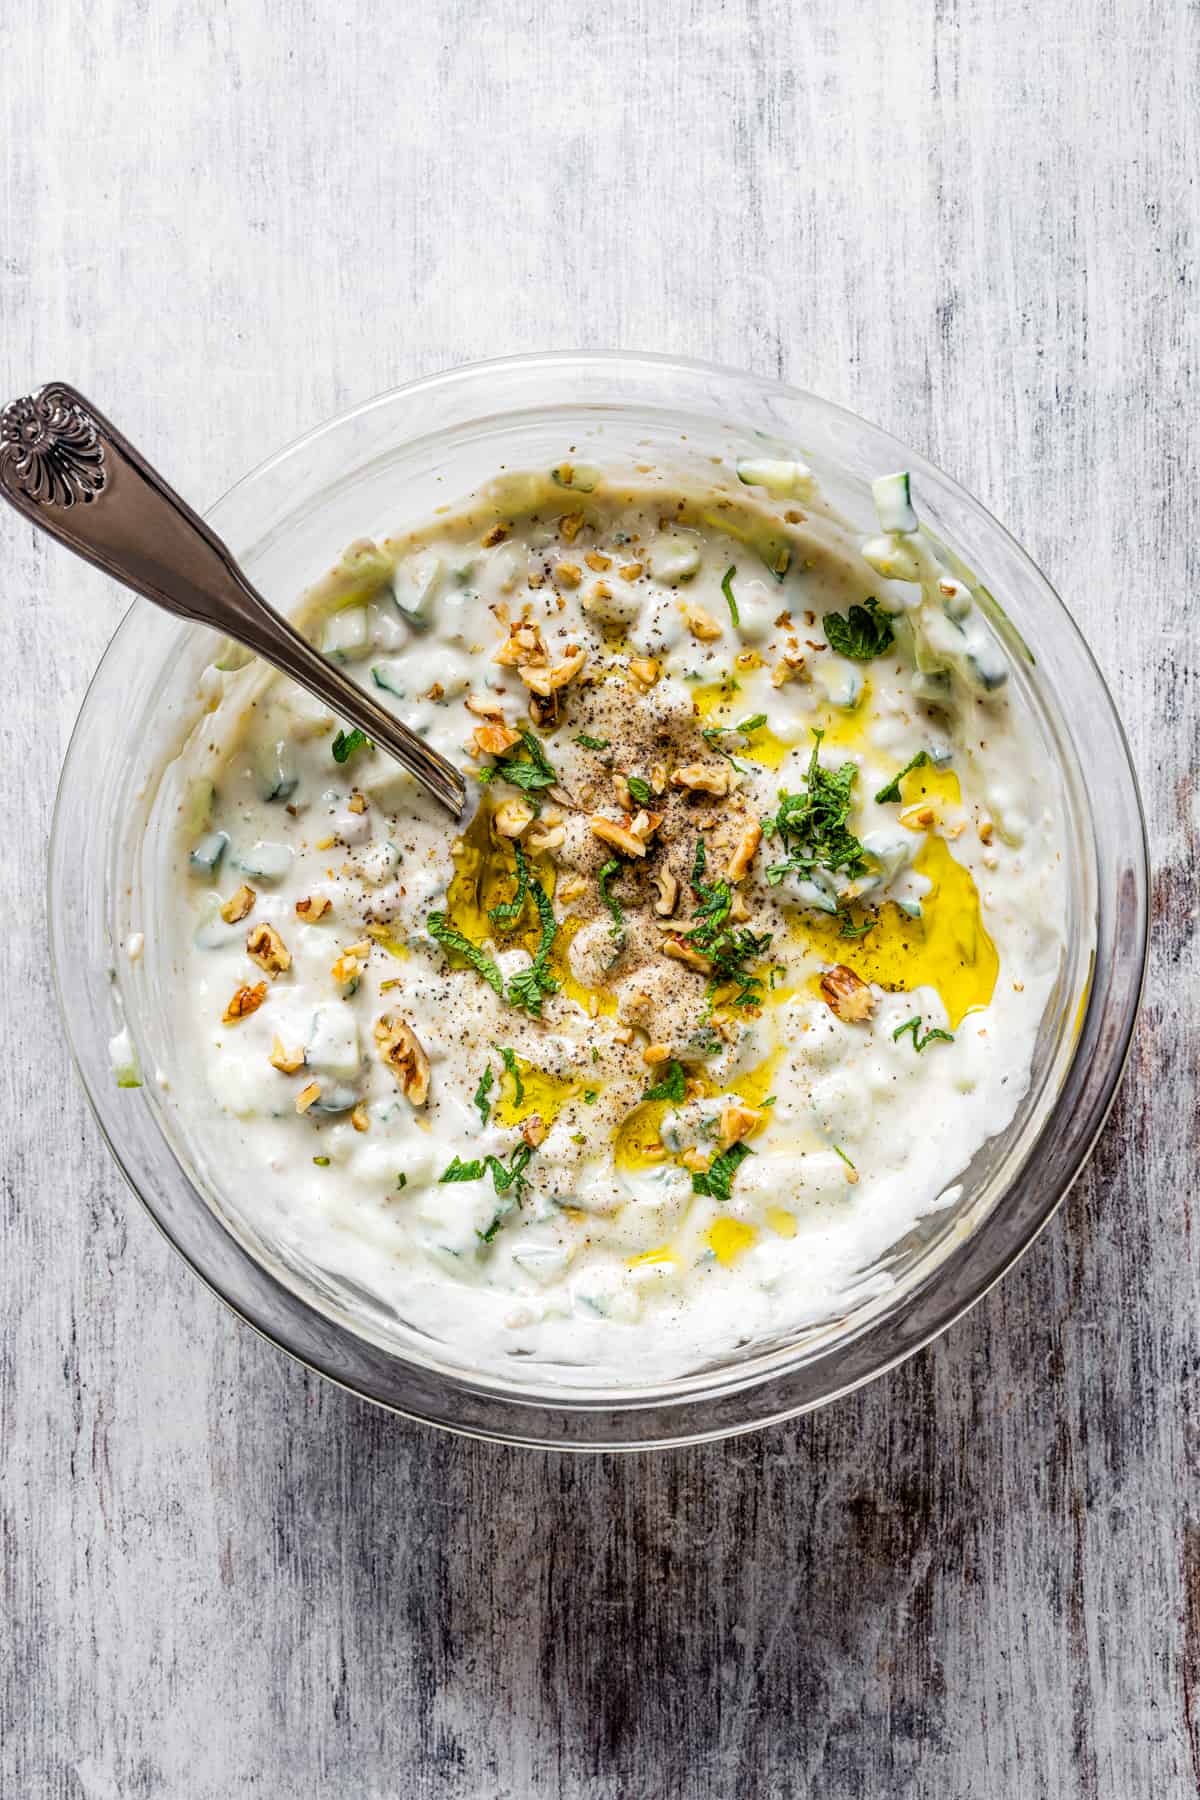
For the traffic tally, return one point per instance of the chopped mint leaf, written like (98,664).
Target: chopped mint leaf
(812,826)
(481,1094)
(608,873)
(528,985)
(727,590)
(639,788)
(402,1180)
(673,1086)
(347,742)
(717,1180)
(919,1042)
(509,911)
(892,791)
(509,1059)
(753,724)
(592,743)
(462,1171)
(866,631)
(440,929)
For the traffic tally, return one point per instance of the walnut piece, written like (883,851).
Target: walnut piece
(847,994)
(621,837)
(512,817)
(739,863)
(597,562)
(701,623)
(668,892)
(496,535)
(238,905)
(246,1001)
(349,964)
(313,908)
(484,708)
(308,1096)
(568,574)
(703,778)
(533,1130)
(678,951)
(398,1046)
(645,672)
(265,947)
(545,680)
(494,739)
(286,1061)
(360,1118)
(544,836)
(522,645)
(737,1122)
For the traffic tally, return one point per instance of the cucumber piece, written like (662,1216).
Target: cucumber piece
(987,668)
(233,656)
(269,862)
(201,796)
(910,908)
(674,559)
(337,1098)
(385,676)
(206,855)
(345,638)
(931,684)
(333,1048)
(893,502)
(275,771)
(543,1263)
(781,479)
(415,592)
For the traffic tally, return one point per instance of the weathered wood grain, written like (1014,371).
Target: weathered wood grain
(982,1576)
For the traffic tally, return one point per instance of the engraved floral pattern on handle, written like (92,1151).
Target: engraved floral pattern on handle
(50,449)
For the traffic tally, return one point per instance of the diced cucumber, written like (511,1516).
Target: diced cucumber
(387,676)
(275,771)
(931,684)
(377,862)
(674,559)
(199,804)
(346,637)
(213,932)
(987,668)
(124,1060)
(308,716)
(333,1047)
(269,862)
(335,1098)
(956,599)
(543,1263)
(233,656)
(362,572)
(781,479)
(893,502)
(206,855)
(911,908)
(416,591)
(842,682)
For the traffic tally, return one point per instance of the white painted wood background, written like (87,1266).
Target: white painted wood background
(981,1577)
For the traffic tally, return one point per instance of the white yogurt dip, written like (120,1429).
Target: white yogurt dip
(739,961)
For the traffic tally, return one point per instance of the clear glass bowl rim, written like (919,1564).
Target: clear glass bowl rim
(732,1406)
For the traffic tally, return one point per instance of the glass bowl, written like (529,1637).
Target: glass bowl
(391,462)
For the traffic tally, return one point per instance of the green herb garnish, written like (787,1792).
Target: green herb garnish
(851,930)
(717,1180)
(919,1042)
(728,951)
(892,791)
(509,911)
(528,985)
(753,724)
(347,742)
(866,631)
(591,743)
(440,929)
(462,1171)
(812,826)
(673,1086)
(727,590)
(509,1181)
(528,769)
(639,788)
(844,1157)
(611,869)
(590,1096)
(402,1180)
(322,1162)
(481,1094)
(509,1059)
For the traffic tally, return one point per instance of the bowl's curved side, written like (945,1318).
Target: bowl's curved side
(84,884)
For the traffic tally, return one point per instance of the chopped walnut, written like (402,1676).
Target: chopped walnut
(701,623)
(512,817)
(597,562)
(678,951)
(265,947)
(656,1053)
(668,892)
(522,645)
(630,571)
(401,1051)
(544,680)
(435,692)
(496,535)
(596,595)
(703,778)
(350,963)
(847,994)
(313,907)
(986,831)
(238,905)
(645,824)
(484,708)
(621,837)
(571,888)
(737,1122)
(357,802)
(790,667)
(308,1096)
(744,851)
(543,837)
(658,777)
(533,1130)
(245,1001)
(286,1061)
(571,526)
(494,739)
(360,1118)
(696,1161)
(568,574)
(645,672)
(739,912)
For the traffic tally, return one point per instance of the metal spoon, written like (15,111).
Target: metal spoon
(69,471)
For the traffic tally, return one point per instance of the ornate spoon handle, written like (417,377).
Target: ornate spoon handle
(70,472)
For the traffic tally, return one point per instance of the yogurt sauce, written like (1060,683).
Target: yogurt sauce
(711,1000)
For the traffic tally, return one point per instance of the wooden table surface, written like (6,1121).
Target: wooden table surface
(981,1576)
